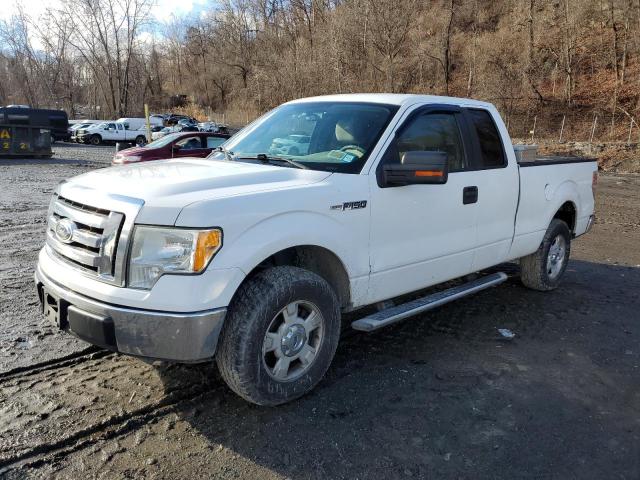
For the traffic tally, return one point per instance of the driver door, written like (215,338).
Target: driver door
(423,234)
(109,132)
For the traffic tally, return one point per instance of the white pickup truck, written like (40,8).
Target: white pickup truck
(252,258)
(131,130)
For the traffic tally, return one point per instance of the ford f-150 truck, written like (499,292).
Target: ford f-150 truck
(122,130)
(251,258)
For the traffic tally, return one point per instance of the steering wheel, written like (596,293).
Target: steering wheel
(357,148)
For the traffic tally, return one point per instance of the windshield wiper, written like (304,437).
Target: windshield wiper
(272,159)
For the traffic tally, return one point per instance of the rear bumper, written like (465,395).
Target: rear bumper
(181,337)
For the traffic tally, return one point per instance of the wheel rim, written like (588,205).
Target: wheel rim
(292,341)
(556,256)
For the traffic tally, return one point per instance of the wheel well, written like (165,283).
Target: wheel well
(567,213)
(316,259)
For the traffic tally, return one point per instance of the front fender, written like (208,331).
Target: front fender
(249,248)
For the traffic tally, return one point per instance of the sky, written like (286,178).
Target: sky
(162,12)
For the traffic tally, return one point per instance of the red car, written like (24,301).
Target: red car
(174,145)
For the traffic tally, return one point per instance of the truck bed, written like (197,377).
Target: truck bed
(553,160)
(543,191)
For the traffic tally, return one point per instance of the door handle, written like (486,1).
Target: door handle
(469,195)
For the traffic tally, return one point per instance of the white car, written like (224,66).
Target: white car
(290,145)
(251,258)
(165,131)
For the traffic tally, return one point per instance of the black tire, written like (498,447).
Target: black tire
(534,272)
(95,140)
(141,141)
(240,355)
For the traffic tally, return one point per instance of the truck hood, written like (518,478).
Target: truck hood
(166,186)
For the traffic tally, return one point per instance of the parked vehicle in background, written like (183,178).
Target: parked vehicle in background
(253,257)
(73,129)
(165,131)
(188,125)
(213,127)
(109,132)
(17,106)
(290,145)
(140,123)
(174,118)
(174,145)
(159,118)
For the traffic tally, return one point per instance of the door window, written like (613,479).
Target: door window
(434,132)
(213,142)
(492,153)
(189,143)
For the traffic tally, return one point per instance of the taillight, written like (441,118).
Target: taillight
(594,182)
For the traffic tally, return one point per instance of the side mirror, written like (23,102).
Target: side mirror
(418,167)
(176,148)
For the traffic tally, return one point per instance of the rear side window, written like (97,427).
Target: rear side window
(492,153)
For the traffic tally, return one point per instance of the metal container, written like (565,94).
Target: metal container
(526,153)
(24,133)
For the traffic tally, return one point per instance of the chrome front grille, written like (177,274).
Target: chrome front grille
(85,237)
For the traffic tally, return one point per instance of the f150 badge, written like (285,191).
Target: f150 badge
(350,205)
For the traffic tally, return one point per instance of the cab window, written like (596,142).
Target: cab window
(433,132)
(492,153)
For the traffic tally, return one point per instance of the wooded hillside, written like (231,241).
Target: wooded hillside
(535,59)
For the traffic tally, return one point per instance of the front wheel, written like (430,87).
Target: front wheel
(280,335)
(543,269)
(95,140)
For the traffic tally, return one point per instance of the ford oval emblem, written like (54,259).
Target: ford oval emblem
(64,230)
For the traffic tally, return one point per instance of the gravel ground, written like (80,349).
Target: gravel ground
(442,395)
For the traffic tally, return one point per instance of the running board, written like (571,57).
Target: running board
(400,312)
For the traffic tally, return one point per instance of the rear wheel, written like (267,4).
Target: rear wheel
(141,141)
(544,269)
(280,335)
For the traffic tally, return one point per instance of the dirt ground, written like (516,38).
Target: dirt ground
(438,396)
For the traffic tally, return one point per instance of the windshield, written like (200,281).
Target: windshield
(162,141)
(330,136)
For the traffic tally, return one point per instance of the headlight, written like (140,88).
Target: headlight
(157,251)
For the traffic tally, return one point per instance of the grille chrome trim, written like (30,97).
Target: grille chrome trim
(80,236)
(99,244)
(76,254)
(94,220)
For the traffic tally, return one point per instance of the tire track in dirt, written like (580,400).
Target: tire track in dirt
(69,403)
(89,353)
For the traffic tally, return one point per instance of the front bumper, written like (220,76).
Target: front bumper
(180,337)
